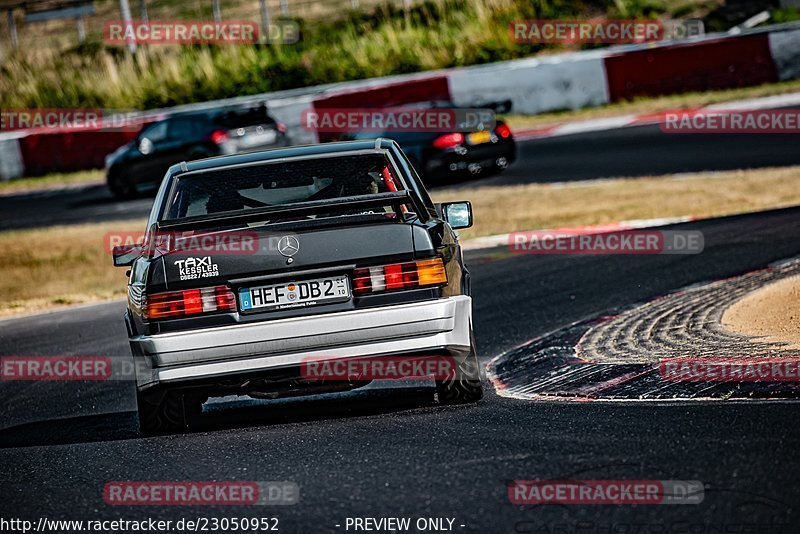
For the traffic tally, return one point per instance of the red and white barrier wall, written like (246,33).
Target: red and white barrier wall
(722,63)
(533,85)
(375,95)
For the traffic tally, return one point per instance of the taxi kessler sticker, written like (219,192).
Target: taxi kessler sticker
(295,294)
(192,268)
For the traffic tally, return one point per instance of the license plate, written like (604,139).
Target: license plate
(477,138)
(254,139)
(295,294)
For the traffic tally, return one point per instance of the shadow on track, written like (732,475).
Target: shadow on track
(216,416)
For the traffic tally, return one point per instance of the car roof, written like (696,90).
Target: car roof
(341,148)
(191,114)
(215,112)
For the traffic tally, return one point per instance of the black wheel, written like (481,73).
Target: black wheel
(168,411)
(464,384)
(121,186)
(499,166)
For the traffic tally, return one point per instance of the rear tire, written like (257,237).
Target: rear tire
(464,385)
(168,411)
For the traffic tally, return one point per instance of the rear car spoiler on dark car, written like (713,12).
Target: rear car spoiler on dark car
(393,198)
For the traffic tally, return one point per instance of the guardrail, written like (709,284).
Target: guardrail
(533,85)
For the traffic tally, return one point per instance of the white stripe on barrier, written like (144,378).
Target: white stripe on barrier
(565,81)
(785,49)
(11,165)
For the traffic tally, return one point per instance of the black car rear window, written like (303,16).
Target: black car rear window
(244,118)
(280,183)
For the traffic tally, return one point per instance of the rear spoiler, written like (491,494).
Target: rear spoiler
(394,198)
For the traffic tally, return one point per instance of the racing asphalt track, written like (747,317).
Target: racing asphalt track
(385,452)
(373,452)
(635,151)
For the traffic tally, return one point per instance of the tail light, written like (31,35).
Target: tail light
(448,140)
(218,137)
(503,130)
(396,276)
(175,304)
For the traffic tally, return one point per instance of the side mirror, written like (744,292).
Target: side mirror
(457,214)
(145,146)
(125,255)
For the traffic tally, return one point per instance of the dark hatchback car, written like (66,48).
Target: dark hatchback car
(443,156)
(139,166)
(349,259)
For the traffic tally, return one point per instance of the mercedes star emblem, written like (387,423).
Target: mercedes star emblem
(288,246)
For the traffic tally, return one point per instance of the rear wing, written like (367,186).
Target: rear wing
(394,199)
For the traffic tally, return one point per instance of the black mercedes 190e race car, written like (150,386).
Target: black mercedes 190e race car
(255,264)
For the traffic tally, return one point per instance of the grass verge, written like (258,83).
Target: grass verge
(501,209)
(54,267)
(58,266)
(52,181)
(383,40)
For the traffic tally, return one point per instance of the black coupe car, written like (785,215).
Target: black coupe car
(139,166)
(348,259)
(443,156)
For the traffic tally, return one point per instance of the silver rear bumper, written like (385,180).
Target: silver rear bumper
(241,349)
